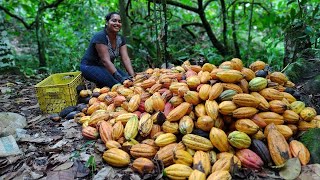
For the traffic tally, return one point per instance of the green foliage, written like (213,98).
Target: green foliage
(66,31)
(311,140)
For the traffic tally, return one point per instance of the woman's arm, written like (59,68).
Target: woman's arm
(105,58)
(126,60)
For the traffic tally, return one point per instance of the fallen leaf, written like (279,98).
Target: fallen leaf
(80,169)
(61,175)
(311,171)
(105,173)
(291,169)
(63,166)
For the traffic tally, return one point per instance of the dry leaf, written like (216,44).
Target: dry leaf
(291,169)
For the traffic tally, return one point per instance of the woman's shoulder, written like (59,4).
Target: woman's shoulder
(100,33)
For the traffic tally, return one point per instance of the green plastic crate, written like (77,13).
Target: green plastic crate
(58,91)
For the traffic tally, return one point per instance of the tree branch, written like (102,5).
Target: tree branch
(234,34)
(224,21)
(245,2)
(28,26)
(207,3)
(183,6)
(52,5)
(185,26)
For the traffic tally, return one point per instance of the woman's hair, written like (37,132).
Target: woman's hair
(108,16)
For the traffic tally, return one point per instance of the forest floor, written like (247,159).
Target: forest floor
(54,150)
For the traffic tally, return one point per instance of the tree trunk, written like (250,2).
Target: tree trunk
(294,43)
(40,43)
(125,23)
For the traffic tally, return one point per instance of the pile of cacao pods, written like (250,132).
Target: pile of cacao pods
(198,119)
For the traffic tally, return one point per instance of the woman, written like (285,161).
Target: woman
(97,65)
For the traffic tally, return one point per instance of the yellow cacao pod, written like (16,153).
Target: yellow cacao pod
(178,112)
(116,157)
(186,125)
(145,124)
(134,103)
(197,175)
(220,175)
(308,113)
(143,150)
(227,107)
(299,150)
(201,161)
(165,139)
(182,157)
(212,109)
(230,76)
(219,139)
(247,126)
(244,112)
(131,128)
(196,142)
(215,91)
(177,171)
(246,100)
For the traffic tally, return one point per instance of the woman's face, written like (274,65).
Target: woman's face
(114,24)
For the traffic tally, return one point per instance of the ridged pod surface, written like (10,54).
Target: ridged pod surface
(230,76)
(143,150)
(258,84)
(239,140)
(134,103)
(105,131)
(165,154)
(249,159)
(142,165)
(271,94)
(215,91)
(278,146)
(201,160)
(192,97)
(204,91)
(200,110)
(165,139)
(244,112)
(157,102)
(178,112)
(212,109)
(219,139)
(182,157)
(247,126)
(308,113)
(205,123)
(145,124)
(227,107)
(117,131)
(219,175)
(177,171)
(131,128)
(262,150)
(278,77)
(299,150)
(264,104)
(278,106)
(246,100)
(116,157)
(186,125)
(196,142)
(197,175)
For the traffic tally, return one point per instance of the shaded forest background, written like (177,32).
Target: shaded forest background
(49,36)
